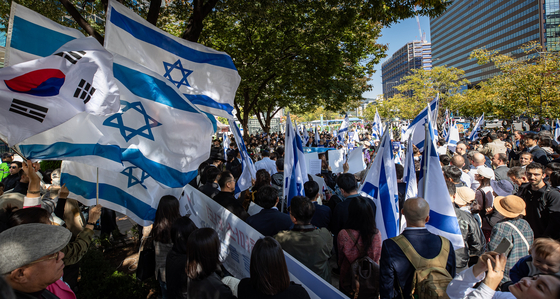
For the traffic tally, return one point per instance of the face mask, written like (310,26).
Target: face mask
(417,158)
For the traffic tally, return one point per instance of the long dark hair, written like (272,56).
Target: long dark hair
(203,253)
(262,179)
(269,273)
(181,229)
(362,220)
(166,214)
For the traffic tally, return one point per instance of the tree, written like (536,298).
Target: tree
(299,54)
(528,84)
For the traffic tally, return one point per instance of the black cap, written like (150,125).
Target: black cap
(6,155)
(217,154)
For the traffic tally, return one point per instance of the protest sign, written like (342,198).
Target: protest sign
(238,239)
(336,159)
(356,160)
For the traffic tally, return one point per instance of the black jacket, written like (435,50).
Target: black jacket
(542,210)
(175,275)
(211,287)
(210,189)
(246,291)
(11,181)
(228,201)
(473,237)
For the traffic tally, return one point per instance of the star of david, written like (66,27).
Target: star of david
(116,121)
(132,180)
(177,65)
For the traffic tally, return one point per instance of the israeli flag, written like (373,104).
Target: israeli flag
(249,172)
(295,169)
(208,78)
(305,135)
(453,137)
(317,137)
(31,36)
(131,191)
(377,126)
(474,134)
(432,187)
(398,157)
(356,137)
(158,130)
(225,144)
(380,185)
(556,130)
(409,175)
(343,129)
(416,127)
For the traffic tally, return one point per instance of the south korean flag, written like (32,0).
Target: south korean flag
(40,94)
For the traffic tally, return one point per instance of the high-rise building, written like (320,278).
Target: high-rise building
(501,25)
(413,55)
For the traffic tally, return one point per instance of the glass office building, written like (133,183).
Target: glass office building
(413,55)
(500,25)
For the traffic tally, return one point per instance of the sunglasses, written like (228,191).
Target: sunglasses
(13,167)
(53,256)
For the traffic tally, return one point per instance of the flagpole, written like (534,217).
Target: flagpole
(97,188)
(427,148)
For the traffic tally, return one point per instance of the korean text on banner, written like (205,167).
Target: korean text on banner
(238,239)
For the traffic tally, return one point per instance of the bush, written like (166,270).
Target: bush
(100,280)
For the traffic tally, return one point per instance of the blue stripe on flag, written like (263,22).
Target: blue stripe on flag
(43,41)
(166,43)
(109,193)
(444,223)
(64,149)
(311,281)
(166,175)
(150,88)
(387,204)
(370,189)
(203,100)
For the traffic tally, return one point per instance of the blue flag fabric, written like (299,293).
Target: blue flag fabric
(380,186)
(149,132)
(432,187)
(416,127)
(295,169)
(474,133)
(249,172)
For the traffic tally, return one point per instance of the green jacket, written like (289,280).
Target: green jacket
(4,170)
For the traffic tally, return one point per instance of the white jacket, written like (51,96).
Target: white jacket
(461,287)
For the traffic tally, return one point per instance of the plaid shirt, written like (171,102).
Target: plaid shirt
(503,230)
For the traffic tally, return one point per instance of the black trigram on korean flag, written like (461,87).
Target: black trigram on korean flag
(84,91)
(72,56)
(30,110)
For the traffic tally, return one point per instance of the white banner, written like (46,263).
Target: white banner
(238,239)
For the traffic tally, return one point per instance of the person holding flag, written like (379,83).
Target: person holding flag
(294,164)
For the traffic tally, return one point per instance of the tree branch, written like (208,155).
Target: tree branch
(81,21)
(200,11)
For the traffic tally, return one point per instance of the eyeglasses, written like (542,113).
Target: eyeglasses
(13,167)
(54,256)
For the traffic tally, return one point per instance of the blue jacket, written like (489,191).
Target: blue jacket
(322,216)
(397,271)
(270,221)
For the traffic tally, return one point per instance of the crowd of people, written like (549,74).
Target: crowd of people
(504,186)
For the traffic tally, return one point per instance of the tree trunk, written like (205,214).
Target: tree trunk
(195,26)
(153,13)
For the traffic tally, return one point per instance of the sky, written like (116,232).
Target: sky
(395,37)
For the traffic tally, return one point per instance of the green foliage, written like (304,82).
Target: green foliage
(100,280)
(50,165)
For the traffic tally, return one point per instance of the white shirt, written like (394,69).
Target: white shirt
(267,165)
(475,184)
(466,178)
(461,287)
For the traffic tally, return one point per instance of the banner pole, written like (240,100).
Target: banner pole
(97,188)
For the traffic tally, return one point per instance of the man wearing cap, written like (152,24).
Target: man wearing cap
(5,166)
(543,203)
(266,163)
(477,162)
(31,260)
(470,229)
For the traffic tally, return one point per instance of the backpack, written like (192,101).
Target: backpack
(365,276)
(430,278)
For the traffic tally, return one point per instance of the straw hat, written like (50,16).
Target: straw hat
(510,206)
(465,196)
